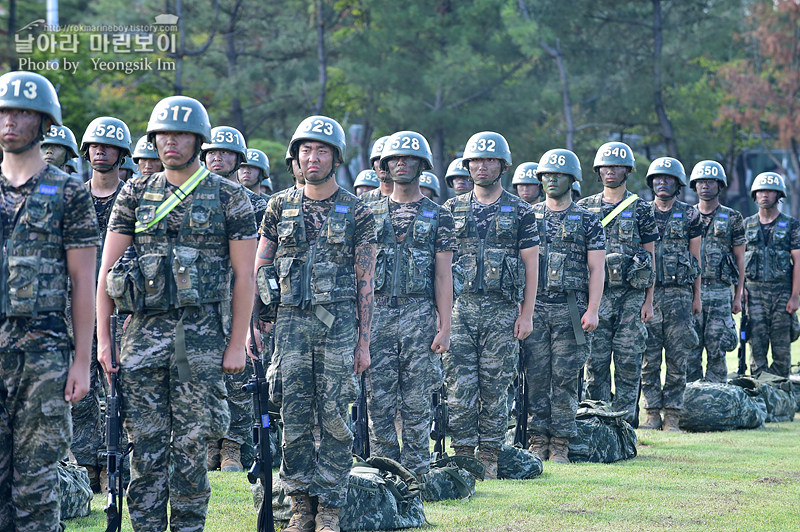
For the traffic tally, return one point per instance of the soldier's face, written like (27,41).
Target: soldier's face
(54,154)
(249,176)
(404,169)
(529,192)
(462,185)
(221,161)
(485,171)
(383,175)
(150,166)
(707,189)
(556,185)
(664,186)
(175,148)
(103,154)
(427,192)
(766,198)
(316,161)
(360,189)
(612,176)
(125,174)
(18,128)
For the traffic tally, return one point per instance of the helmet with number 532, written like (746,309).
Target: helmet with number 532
(408,143)
(708,170)
(614,154)
(768,181)
(109,131)
(321,129)
(560,161)
(666,166)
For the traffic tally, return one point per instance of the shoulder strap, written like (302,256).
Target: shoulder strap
(618,209)
(177,196)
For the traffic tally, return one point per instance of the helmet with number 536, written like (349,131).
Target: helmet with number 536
(560,161)
(768,181)
(666,166)
(109,131)
(614,154)
(708,170)
(487,145)
(408,143)
(321,129)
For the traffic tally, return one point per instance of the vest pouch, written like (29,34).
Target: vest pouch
(505,225)
(513,279)
(337,231)
(380,269)
(615,270)
(783,263)
(420,262)
(146,214)
(641,274)
(464,271)
(23,285)
(200,219)
(460,226)
(692,267)
(125,283)
(155,281)
(493,269)
(38,214)
(721,228)
(671,267)
(712,263)
(752,262)
(290,279)
(187,281)
(422,231)
(269,291)
(554,276)
(729,271)
(626,229)
(287,233)
(323,281)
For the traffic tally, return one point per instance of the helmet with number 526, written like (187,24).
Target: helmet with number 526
(144,149)
(179,113)
(525,174)
(768,181)
(560,161)
(614,154)
(708,170)
(110,131)
(258,159)
(408,143)
(31,91)
(666,166)
(487,145)
(63,136)
(321,129)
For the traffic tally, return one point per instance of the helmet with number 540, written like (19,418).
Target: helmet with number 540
(614,154)
(560,161)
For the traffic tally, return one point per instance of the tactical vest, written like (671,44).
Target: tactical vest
(563,263)
(491,264)
(34,268)
(192,268)
(103,224)
(675,265)
(313,273)
(406,268)
(718,262)
(768,261)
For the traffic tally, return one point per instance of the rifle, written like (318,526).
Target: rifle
(361,422)
(744,337)
(114,456)
(521,400)
(262,464)
(440,413)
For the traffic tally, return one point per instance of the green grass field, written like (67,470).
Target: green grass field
(725,481)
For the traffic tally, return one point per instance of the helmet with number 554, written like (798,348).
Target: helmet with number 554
(708,170)
(560,161)
(320,129)
(666,166)
(768,181)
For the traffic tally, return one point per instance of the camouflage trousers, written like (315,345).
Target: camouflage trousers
(671,331)
(88,423)
(716,332)
(552,370)
(240,404)
(35,433)
(620,334)
(169,420)
(479,368)
(316,366)
(402,377)
(770,326)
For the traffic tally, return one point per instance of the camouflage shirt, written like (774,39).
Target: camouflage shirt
(648,231)
(402,214)
(527,234)
(736,221)
(314,214)
(694,226)
(102,206)
(79,230)
(794,231)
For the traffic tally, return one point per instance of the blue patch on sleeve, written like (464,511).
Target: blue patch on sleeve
(573,217)
(627,214)
(506,208)
(677,215)
(782,224)
(428,214)
(343,209)
(723,215)
(49,190)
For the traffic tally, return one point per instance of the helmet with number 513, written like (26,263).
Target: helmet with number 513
(768,181)
(30,91)
(666,166)
(708,170)
(560,161)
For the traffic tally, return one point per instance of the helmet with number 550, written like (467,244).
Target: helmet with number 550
(708,170)
(666,166)
(768,181)
(560,161)
(320,129)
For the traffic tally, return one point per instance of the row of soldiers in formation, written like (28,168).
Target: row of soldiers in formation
(413,293)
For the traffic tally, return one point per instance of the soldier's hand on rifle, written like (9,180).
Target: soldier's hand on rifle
(234,359)
(263,329)
(104,358)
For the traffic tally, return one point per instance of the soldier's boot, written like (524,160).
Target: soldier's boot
(302,519)
(653,420)
(464,450)
(559,450)
(231,456)
(327,519)
(94,478)
(540,444)
(672,417)
(489,459)
(213,459)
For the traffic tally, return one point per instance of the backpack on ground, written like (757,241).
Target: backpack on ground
(451,477)
(76,492)
(603,434)
(713,406)
(518,463)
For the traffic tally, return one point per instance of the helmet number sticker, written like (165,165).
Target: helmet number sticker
(666,163)
(57,132)
(483,145)
(769,180)
(29,92)
(176,110)
(558,160)
(530,173)
(226,136)
(710,170)
(109,132)
(319,126)
(405,143)
(252,155)
(616,152)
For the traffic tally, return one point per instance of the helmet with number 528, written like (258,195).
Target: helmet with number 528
(179,113)
(768,181)
(525,174)
(614,154)
(110,131)
(560,161)
(63,136)
(226,138)
(31,91)
(666,166)
(408,143)
(144,149)
(487,145)
(708,170)
(321,129)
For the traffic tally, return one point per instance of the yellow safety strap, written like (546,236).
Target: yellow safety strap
(175,198)
(618,209)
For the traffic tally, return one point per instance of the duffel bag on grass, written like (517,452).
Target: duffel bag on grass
(451,477)
(517,463)
(603,435)
(76,493)
(711,406)
(770,392)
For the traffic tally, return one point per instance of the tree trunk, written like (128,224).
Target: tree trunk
(322,57)
(794,185)
(439,166)
(667,130)
(237,114)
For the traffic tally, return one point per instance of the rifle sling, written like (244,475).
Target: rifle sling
(618,209)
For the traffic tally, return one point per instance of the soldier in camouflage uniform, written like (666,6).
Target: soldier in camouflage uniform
(722,265)
(772,268)
(126,169)
(318,246)
(676,298)
(224,155)
(526,185)
(457,177)
(576,191)
(413,282)
(59,146)
(366,180)
(49,234)
(104,152)
(627,304)
(386,183)
(571,273)
(191,230)
(497,269)
(429,185)
(146,157)
(253,173)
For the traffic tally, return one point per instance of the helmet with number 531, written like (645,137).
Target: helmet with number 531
(226,138)
(560,161)
(666,166)
(321,129)
(708,170)
(768,181)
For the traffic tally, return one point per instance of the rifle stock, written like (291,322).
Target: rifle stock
(440,414)
(744,337)
(521,400)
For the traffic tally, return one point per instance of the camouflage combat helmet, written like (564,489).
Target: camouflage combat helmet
(320,129)
(408,143)
(487,145)
(377,148)
(144,149)
(109,131)
(525,174)
(62,136)
(560,161)
(614,154)
(258,159)
(455,169)
(768,181)
(366,178)
(430,181)
(226,138)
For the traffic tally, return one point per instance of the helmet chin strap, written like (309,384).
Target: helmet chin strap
(406,182)
(615,185)
(106,168)
(321,181)
(34,142)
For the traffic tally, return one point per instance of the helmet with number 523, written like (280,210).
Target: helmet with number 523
(408,143)
(110,131)
(614,154)
(708,170)
(321,129)
(560,161)
(768,181)
(666,166)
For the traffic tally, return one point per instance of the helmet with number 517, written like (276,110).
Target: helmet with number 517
(31,91)
(144,149)
(708,170)
(614,154)
(487,145)
(525,174)
(179,113)
(321,129)
(408,143)
(109,131)
(666,166)
(768,181)
(63,136)
(560,161)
